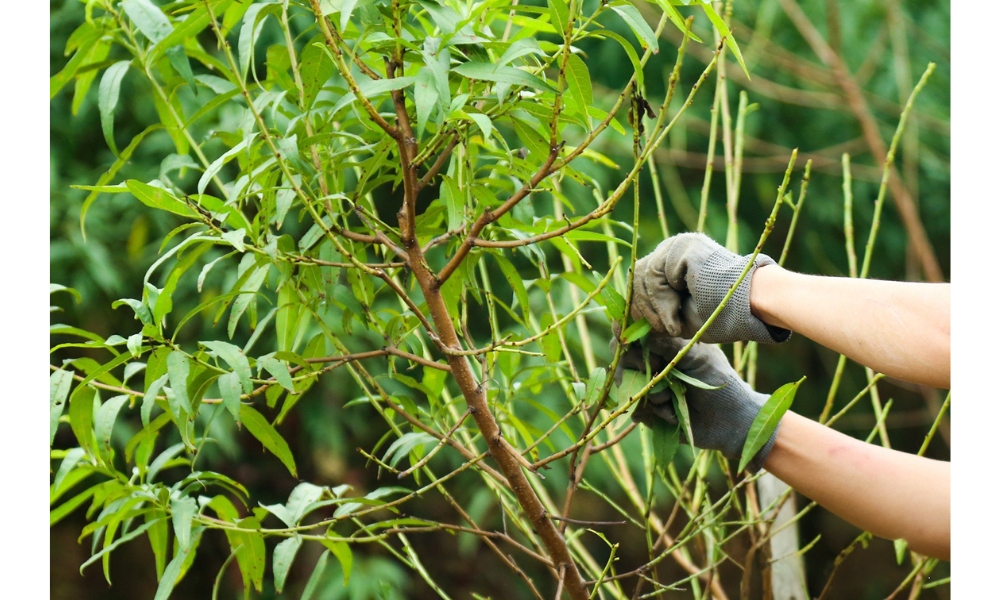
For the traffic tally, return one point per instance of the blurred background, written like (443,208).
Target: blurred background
(848,101)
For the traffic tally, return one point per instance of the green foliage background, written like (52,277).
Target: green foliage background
(800,106)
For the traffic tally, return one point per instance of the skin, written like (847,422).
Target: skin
(902,329)
(898,328)
(889,493)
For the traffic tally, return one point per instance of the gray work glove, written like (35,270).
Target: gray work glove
(720,419)
(680,283)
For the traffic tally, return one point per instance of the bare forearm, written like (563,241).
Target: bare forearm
(901,329)
(889,493)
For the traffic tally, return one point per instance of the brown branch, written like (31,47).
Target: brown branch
(436,167)
(614,440)
(384,351)
(590,523)
(343,232)
(904,202)
(489,216)
(345,71)
(473,392)
(342,265)
(509,561)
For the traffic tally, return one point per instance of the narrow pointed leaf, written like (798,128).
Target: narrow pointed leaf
(236,360)
(666,439)
(229,387)
(258,427)
(767,420)
(278,370)
(107,100)
(59,385)
(343,553)
(640,28)
(284,555)
(183,511)
(178,369)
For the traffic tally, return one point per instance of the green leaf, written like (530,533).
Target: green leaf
(250,552)
(581,92)
(67,507)
(640,28)
(59,385)
(676,18)
(229,387)
(159,198)
(109,547)
(278,370)
(695,382)
(284,555)
(299,500)
(613,302)
(317,576)
(406,443)
(767,420)
(723,29)
(454,199)
(316,67)
(140,309)
(183,511)
(598,377)
(81,417)
(343,553)
(258,427)
(425,96)
(170,577)
(636,330)
(106,421)
(149,398)
(214,168)
(160,461)
(501,74)
(91,48)
(681,410)
(158,535)
(148,18)
(107,100)
(516,283)
(370,89)
(72,458)
(235,238)
(484,123)
(560,16)
(632,383)
(249,33)
(236,360)
(438,62)
(247,294)
(520,48)
(189,28)
(178,369)
(179,60)
(666,439)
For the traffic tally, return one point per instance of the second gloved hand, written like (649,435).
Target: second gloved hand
(720,418)
(681,283)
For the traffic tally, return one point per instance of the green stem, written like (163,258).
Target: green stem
(934,426)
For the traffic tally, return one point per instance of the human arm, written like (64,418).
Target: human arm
(898,328)
(889,493)
(901,329)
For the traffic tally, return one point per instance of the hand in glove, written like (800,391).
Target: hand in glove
(680,284)
(720,418)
